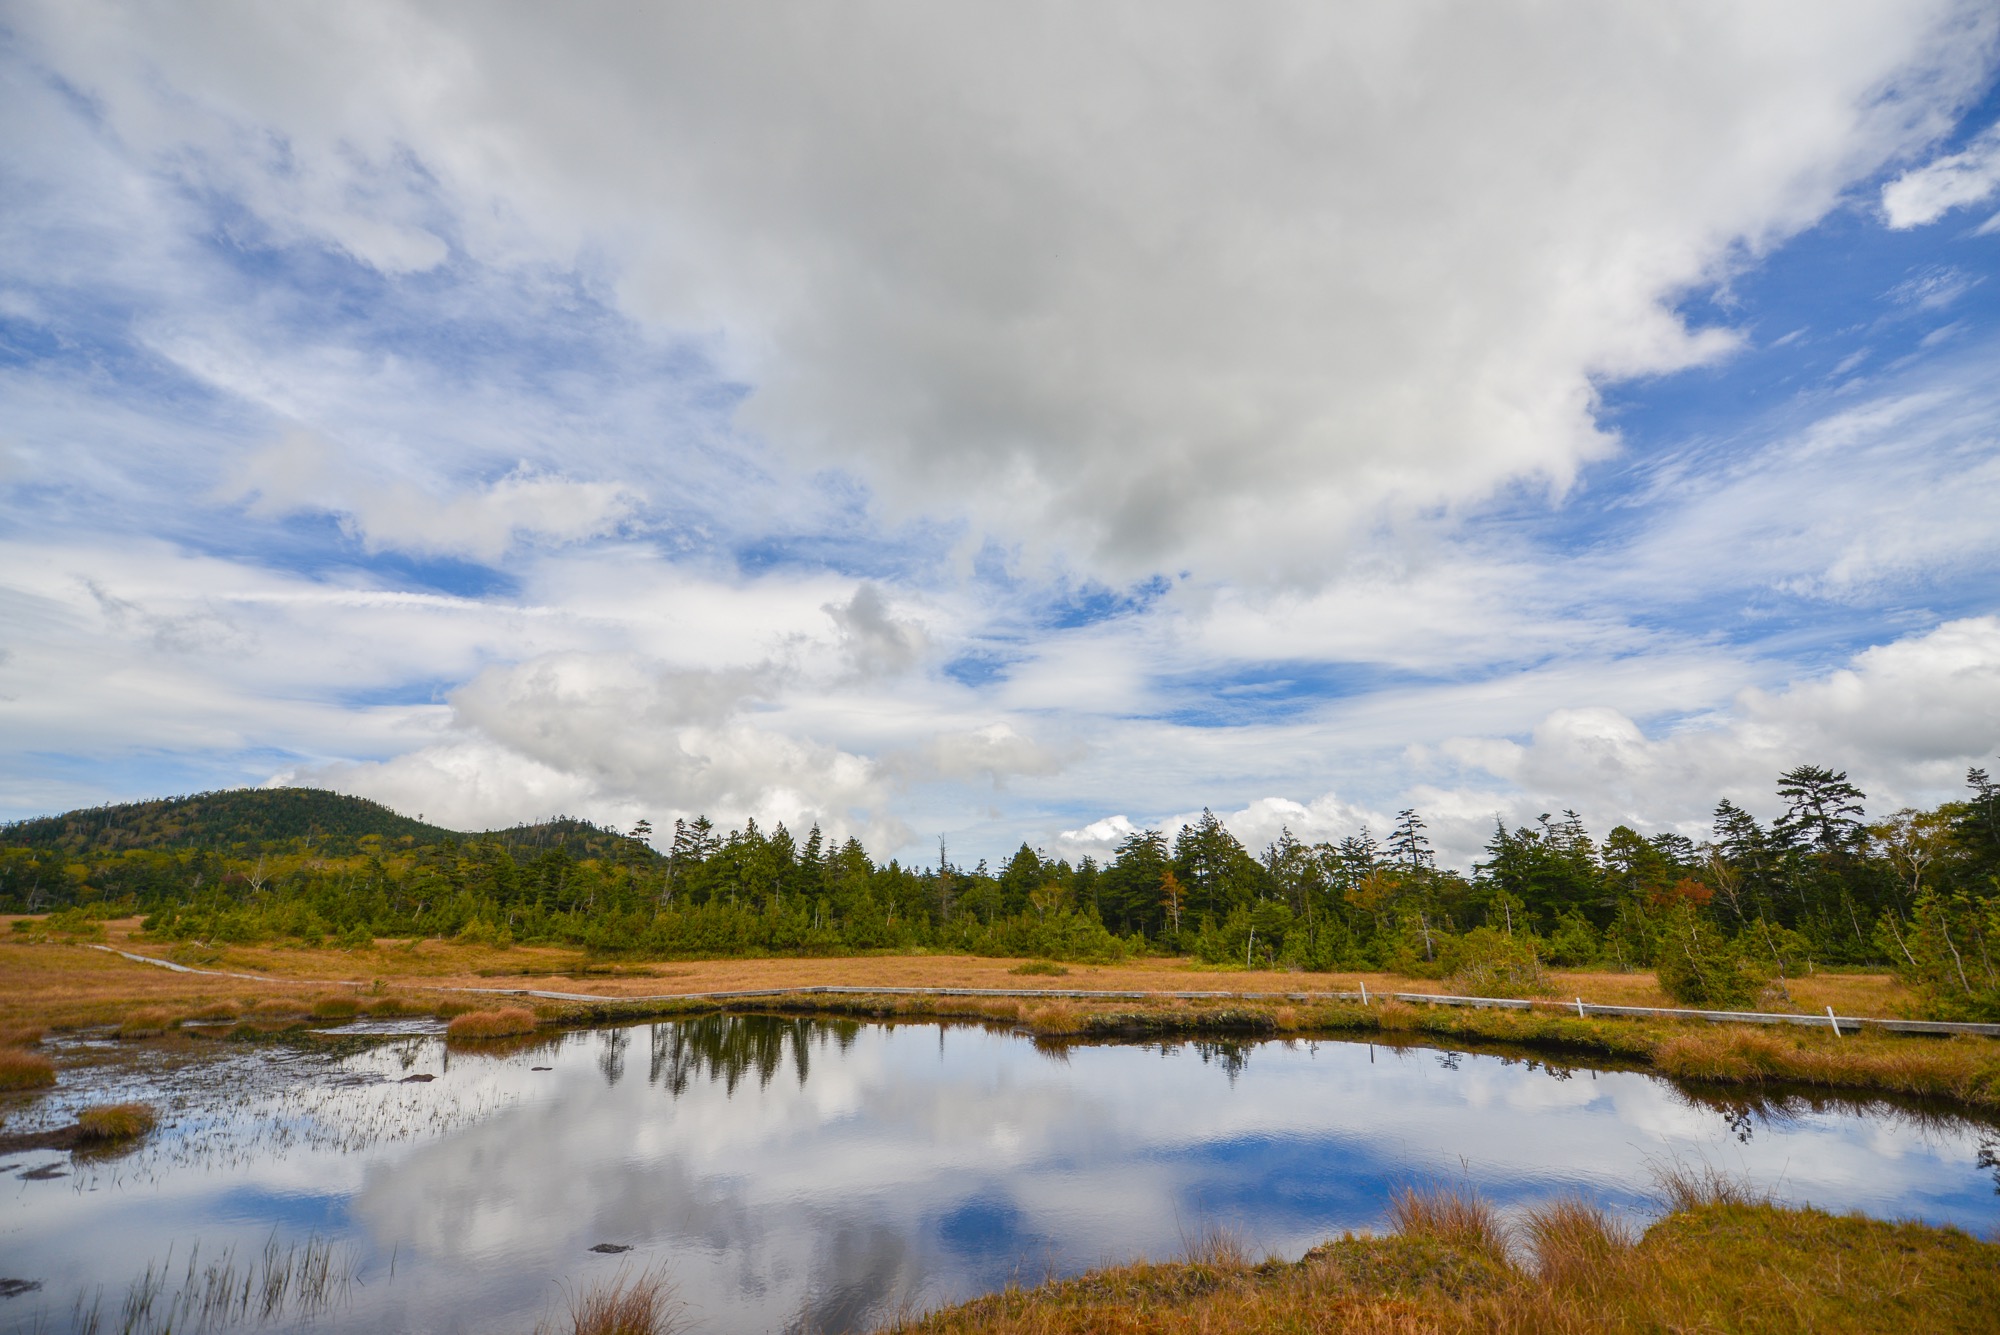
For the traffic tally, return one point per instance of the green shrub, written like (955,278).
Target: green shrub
(1698,965)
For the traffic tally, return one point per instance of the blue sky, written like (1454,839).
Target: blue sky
(1002,426)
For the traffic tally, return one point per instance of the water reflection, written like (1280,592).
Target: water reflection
(798,1174)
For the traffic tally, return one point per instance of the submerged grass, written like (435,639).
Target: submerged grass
(1718,1263)
(286,1282)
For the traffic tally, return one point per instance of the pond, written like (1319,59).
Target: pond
(805,1175)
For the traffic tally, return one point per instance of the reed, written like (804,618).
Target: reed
(22,1069)
(286,1283)
(506,1023)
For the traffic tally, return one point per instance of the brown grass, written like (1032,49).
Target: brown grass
(70,985)
(1714,1266)
(113,1122)
(641,1304)
(1965,1069)
(150,1022)
(507,1023)
(1460,1220)
(335,1008)
(22,1069)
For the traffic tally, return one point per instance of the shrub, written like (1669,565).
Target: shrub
(506,1023)
(113,1122)
(1699,966)
(1040,969)
(1574,942)
(21,1069)
(1490,964)
(357,937)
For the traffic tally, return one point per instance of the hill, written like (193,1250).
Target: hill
(236,818)
(253,820)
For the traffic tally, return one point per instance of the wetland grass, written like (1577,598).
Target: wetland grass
(510,1022)
(22,1069)
(114,1123)
(1718,1261)
(286,1283)
(150,1022)
(627,1304)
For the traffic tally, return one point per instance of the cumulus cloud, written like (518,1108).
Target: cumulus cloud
(1925,194)
(1148,285)
(1905,718)
(603,733)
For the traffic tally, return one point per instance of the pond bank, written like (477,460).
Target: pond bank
(1720,1263)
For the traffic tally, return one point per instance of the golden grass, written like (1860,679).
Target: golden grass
(335,1008)
(507,1023)
(628,1304)
(113,1122)
(1716,1265)
(22,1069)
(1460,1220)
(68,985)
(148,1022)
(1966,1069)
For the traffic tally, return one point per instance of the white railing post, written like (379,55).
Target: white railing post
(1579,1008)
(1364,991)
(1835,1023)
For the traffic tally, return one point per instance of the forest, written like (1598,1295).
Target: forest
(1723,921)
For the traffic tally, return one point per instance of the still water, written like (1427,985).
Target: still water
(807,1175)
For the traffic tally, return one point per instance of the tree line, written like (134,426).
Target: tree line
(1720,920)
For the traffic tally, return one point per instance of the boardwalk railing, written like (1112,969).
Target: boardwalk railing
(1840,1024)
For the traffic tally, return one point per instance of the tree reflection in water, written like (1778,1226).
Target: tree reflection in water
(726,1048)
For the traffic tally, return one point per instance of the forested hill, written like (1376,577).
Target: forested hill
(237,819)
(275,820)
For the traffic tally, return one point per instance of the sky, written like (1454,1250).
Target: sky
(1000,423)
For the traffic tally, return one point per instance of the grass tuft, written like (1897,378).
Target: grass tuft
(1576,1245)
(112,1122)
(1684,1187)
(1217,1246)
(642,1304)
(148,1023)
(1457,1219)
(1040,969)
(22,1069)
(335,1008)
(507,1023)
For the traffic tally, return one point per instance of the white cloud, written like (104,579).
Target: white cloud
(1925,194)
(1304,267)
(994,752)
(304,473)
(1904,718)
